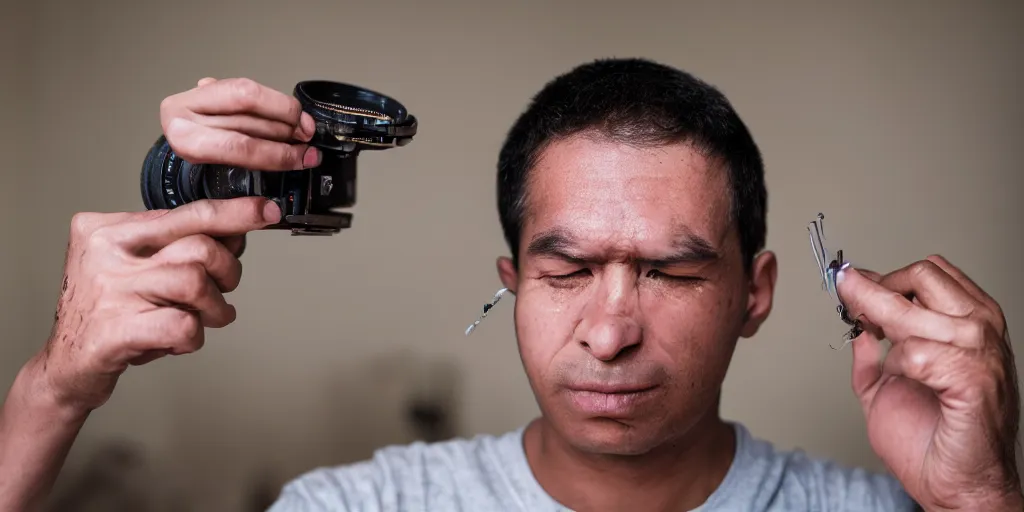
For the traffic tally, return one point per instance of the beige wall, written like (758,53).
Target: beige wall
(902,124)
(14,86)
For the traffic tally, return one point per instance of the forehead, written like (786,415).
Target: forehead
(603,189)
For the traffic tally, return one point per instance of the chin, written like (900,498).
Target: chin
(601,436)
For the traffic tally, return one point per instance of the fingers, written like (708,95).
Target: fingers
(216,218)
(242,96)
(221,265)
(153,334)
(932,287)
(936,365)
(235,244)
(198,143)
(897,317)
(867,366)
(250,125)
(239,122)
(186,286)
(969,286)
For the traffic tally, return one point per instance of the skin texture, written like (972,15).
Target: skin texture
(631,276)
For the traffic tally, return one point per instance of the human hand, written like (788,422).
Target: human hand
(239,122)
(943,408)
(139,286)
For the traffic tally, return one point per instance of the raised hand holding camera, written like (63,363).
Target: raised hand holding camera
(235,157)
(236,138)
(138,286)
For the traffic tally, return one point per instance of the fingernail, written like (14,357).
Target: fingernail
(841,273)
(308,126)
(271,212)
(311,158)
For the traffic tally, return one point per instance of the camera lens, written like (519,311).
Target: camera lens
(168,181)
(220,182)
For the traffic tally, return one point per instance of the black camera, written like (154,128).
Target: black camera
(349,119)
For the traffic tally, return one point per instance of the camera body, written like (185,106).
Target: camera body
(349,119)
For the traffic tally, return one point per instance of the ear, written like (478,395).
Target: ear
(507,273)
(762,290)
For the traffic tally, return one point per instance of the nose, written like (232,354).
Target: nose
(609,328)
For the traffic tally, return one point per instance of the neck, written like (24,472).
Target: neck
(679,475)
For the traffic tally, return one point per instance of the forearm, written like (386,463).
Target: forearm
(36,434)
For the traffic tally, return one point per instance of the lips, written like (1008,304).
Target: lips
(611,388)
(611,400)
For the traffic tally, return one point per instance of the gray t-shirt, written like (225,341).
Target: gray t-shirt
(490,473)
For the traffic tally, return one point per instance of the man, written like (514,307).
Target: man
(633,201)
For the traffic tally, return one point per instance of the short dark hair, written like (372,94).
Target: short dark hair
(637,102)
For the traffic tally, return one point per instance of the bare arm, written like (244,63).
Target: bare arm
(36,434)
(140,286)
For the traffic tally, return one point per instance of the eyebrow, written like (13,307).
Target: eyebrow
(690,248)
(558,243)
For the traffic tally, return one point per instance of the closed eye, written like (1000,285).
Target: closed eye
(579,273)
(567,281)
(657,274)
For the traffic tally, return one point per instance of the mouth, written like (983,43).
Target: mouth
(610,400)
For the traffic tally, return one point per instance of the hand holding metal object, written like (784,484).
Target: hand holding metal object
(828,267)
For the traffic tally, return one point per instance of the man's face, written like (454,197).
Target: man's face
(630,293)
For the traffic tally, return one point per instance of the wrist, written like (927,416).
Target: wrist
(35,393)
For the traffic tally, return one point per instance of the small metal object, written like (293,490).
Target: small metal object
(828,268)
(487,308)
(326,184)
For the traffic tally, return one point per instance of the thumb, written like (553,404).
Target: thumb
(867,367)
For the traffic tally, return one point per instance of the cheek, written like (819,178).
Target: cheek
(695,327)
(544,324)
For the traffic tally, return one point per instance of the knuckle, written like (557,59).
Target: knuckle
(82,224)
(203,249)
(179,138)
(246,91)
(249,210)
(914,361)
(237,145)
(923,268)
(204,212)
(290,157)
(902,310)
(254,212)
(193,281)
(101,238)
(168,105)
(975,332)
(188,326)
(294,110)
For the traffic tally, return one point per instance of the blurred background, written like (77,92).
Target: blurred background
(901,121)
